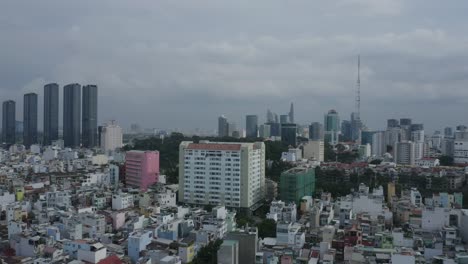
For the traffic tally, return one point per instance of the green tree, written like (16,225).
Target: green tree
(347,157)
(273,150)
(267,228)
(446,160)
(329,153)
(278,167)
(208,254)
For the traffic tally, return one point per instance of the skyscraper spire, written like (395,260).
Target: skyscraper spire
(358,90)
(291,113)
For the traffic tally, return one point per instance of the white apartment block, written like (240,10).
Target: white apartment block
(378,144)
(461,147)
(404,153)
(122,201)
(218,173)
(418,150)
(314,150)
(417,136)
(111,136)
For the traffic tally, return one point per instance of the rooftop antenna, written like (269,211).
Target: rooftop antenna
(358,89)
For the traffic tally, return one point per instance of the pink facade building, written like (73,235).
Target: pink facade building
(141,168)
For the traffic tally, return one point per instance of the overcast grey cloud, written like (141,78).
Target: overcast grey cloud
(180,64)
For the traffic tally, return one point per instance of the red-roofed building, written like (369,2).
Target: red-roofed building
(113,259)
(214,146)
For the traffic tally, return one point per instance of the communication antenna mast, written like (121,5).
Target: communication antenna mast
(358,90)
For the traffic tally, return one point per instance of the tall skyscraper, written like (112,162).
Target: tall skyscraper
(392,123)
(416,127)
(316,131)
(448,146)
(99,131)
(270,116)
(404,153)
(216,173)
(448,132)
(284,119)
(251,126)
(405,125)
(417,137)
(9,122)
(393,136)
(379,147)
(405,121)
(233,131)
(111,136)
(141,168)
(135,128)
(332,127)
(366,137)
(275,129)
(71,115)
(89,122)
(461,128)
(288,134)
(30,119)
(346,130)
(291,113)
(264,131)
(223,126)
(51,113)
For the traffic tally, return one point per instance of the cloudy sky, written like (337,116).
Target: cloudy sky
(180,64)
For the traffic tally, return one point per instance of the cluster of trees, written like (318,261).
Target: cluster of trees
(446,160)
(339,154)
(208,254)
(338,183)
(267,228)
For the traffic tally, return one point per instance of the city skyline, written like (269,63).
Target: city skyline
(254,63)
(227,132)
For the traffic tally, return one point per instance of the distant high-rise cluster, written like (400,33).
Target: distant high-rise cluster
(80,117)
(402,141)
(276,126)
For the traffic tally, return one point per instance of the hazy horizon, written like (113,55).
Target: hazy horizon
(181,64)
